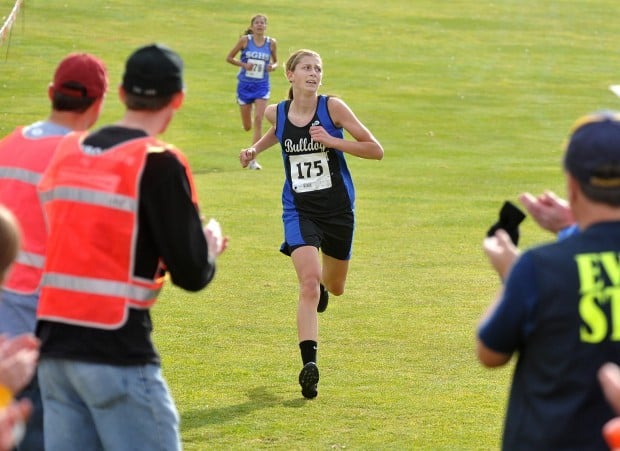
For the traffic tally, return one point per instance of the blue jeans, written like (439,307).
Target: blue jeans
(89,406)
(18,313)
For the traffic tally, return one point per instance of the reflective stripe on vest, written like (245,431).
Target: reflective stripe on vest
(22,162)
(30,259)
(107,200)
(23,175)
(138,296)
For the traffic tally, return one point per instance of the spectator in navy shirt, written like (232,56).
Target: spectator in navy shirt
(557,308)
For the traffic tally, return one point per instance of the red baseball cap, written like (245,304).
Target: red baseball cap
(81,75)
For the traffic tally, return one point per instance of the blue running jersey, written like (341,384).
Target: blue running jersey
(260,57)
(318,182)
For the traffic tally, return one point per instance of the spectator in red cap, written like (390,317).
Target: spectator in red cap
(122,211)
(76,94)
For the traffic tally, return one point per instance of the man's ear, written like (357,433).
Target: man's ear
(177,100)
(573,189)
(121,93)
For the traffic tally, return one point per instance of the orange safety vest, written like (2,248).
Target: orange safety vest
(88,278)
(22,162)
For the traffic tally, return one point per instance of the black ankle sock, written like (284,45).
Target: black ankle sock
(308,351)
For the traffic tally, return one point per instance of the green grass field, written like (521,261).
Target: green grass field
(472,102)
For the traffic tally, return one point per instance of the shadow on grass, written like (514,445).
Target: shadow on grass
(258,398)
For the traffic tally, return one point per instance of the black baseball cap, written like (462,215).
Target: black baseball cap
(593,152)
(153,71)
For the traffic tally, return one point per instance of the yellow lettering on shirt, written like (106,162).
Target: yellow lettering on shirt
(599,305)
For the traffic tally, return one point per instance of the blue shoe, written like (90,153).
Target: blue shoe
(308,379)
(323,299)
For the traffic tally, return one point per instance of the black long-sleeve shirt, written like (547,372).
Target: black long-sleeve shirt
(169,227)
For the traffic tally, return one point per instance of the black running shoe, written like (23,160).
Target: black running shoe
(308,379)
(323,299)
